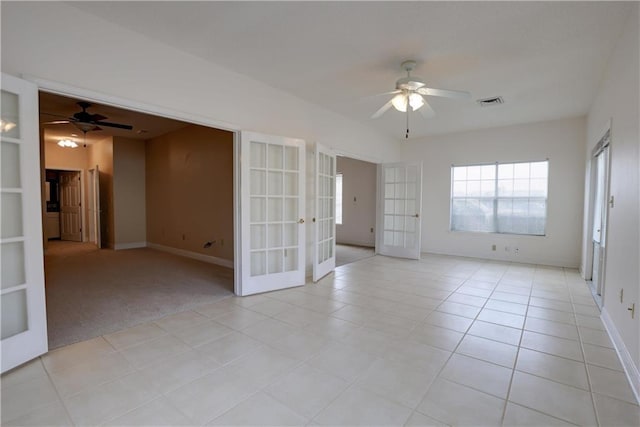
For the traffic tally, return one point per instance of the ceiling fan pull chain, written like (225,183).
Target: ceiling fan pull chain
(406,135)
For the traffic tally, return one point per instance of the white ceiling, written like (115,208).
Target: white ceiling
(545,59)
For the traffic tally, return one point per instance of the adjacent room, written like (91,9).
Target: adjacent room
(420,213)
(355,209)
(119,249)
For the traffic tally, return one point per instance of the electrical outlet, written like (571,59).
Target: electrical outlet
(507,249)
(516,251)
(372,229)
(493,247)
(621,295)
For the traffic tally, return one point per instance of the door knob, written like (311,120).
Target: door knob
(301,221)
(417,215)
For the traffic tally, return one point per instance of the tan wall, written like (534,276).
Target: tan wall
(56,157)
(129,192)
(189,190)
(101,154)
(358,202)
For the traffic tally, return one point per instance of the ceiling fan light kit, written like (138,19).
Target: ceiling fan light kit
(409,95)
(66,143)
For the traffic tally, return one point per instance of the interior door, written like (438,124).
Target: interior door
(324,257)
(272,230)
(70,207)
(399,210)
(22,300)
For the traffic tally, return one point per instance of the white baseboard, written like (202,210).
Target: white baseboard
(193,255)
(131,245)
(625,357)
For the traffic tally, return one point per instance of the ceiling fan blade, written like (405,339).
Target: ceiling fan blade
(393,92)
(97,117)
(114,125)
(426,110)
(382,110)
(57,122)
(42,113)
(446,93)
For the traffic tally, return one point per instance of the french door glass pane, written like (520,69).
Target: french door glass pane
(12,264)
(11,222)
(14,313)
(290,259)
(10,173)
(10,115)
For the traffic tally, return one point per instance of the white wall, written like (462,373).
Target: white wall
(358,202)
(132,67)
(617,99)
(35,41)
(560,141)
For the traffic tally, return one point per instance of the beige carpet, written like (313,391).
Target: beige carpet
(92,292)
(346,254)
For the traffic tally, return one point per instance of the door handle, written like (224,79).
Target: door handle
(301,221)
(417,215)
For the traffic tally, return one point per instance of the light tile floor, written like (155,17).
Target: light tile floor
(382,341)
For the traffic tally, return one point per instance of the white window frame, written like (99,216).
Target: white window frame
(495,198)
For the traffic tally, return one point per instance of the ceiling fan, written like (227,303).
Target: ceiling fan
(85,121)
(409,95)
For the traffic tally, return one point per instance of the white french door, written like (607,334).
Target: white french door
(324,257)
(22,300)
(399,210)
(272,230)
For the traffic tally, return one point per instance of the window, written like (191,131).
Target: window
(339,198)
(500,198)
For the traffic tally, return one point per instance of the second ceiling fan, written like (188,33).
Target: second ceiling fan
(410,95)
(87,122)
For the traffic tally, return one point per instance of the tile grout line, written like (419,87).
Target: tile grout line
(515,362)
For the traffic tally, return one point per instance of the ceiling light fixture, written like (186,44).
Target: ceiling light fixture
(66,143)
(400,101)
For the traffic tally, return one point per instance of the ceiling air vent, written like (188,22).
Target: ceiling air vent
(495,100)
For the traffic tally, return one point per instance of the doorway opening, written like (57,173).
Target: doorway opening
(355,209)
(63,201)
(599,215)
(157,198)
